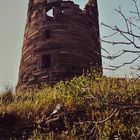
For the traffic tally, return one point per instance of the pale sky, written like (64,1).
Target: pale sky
(12,23)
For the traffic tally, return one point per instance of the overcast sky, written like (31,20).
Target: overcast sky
(12,23)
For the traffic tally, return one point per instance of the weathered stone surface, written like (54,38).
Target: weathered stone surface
(59,46)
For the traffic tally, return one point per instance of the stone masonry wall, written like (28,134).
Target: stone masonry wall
(60,41)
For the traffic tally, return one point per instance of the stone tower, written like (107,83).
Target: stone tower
(60,41)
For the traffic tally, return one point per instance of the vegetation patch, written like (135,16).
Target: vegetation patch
(87,107)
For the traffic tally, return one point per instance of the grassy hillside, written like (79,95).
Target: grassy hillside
(86,108)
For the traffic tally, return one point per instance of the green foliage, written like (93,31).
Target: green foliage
(73,92)
(95,95)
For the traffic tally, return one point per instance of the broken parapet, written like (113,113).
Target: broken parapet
(60,41)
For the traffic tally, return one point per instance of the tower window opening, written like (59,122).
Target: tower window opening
(54,11)
(48,34)
(46,61)
(50,12)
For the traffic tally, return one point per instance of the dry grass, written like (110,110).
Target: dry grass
(97,96)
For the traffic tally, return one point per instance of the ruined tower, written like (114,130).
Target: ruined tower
(60,41)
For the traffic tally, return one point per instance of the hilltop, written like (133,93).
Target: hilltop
(86,108)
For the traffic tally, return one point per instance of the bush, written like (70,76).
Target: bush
(95,107)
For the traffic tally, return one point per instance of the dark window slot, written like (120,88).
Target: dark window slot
(48,34)
(46,61)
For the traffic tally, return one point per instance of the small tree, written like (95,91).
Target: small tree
(129,36)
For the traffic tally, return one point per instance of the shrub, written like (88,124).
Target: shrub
(95,106)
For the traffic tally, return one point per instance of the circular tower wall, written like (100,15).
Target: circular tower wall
(60,41)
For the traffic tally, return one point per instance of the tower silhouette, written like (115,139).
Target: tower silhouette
(60,41)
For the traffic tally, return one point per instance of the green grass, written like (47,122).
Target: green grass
(96,97)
